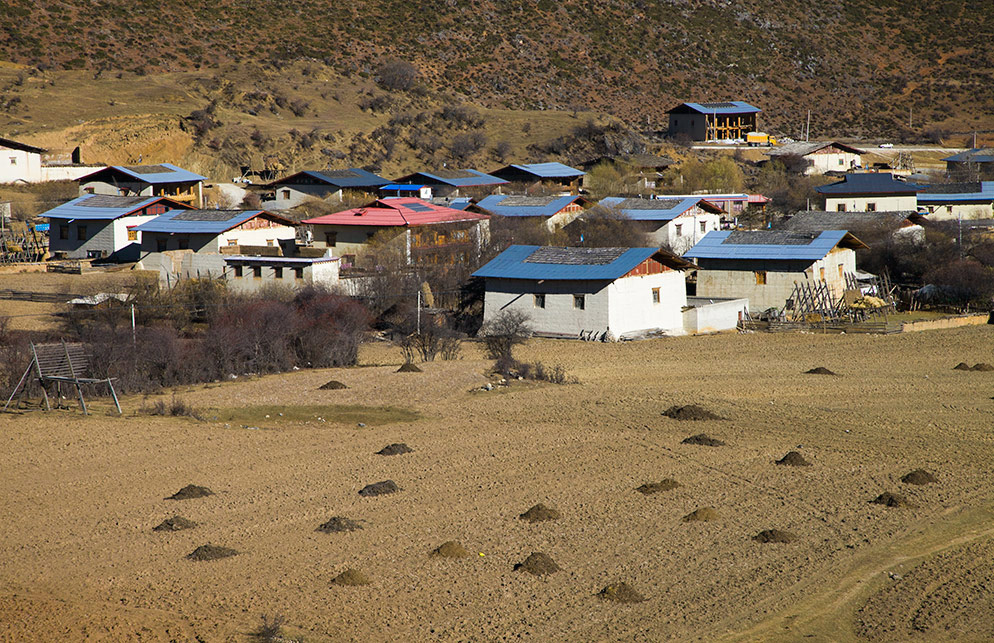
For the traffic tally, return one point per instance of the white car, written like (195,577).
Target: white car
(887,146)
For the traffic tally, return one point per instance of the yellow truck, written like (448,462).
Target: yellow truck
(756,139)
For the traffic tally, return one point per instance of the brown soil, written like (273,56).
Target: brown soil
(962,366)
(918,476)
(774,536)
(398,448)
(794,459)
(704,440)
(450,549)
(351,578)
(191,491)
(704,514)
(339,524)
(690,412)
(621,593)
(211,552)
(408,367)
(889,499)
(820,370)
(333,385)
(540,513)
(655,487)
(538,564)
(176,523)
(982,367)
(379,488)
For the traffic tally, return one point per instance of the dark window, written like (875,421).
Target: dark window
(298,273)
(257,272)
(579,302)
(184,244)
(840,207)
(63,232)
(160,244)
(286,194)
(81,232)
(655,295)
(278,272)
(871,207)
(330,238)
(539,300)
(238,271)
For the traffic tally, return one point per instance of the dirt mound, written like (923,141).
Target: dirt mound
(704,514)
(176,523)
(794,459)
(540,513)
(538,564)
(339,524)
(962,366)
(774,536)
(333,385)
(690,412)
(351,578)
(621,593)
(408,367)
(655,487)
(398,448)
(450,549)
(918,476)
(982,366)
(211,552)
(819,370)
(379,488)
(889,499)
(703,439)
(191,491)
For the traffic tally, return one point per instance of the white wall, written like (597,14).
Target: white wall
(951,211)
(682,239)
(67,172)
(324,273)
(632,308)
(884,203)
(713,315)
(18,165)
(834,161)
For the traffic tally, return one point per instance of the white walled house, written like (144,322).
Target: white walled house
(591,293)
(250,273)
(822,157)
(869,192)
(951,201)
(98,226)
(297,188)
(676,223)
(19,162)
(763,266)
(553,211)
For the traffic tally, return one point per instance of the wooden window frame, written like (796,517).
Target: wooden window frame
(538,299)
(760,277)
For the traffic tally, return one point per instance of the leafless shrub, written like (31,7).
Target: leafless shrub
(397,75)
(271,629)
(174,408)
(466,144)
(503,332)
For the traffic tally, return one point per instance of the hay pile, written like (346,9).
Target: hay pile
(962,366)
(398,448)
(538,564)
(690,412)
(981,366)
(703,440)
(655,487)
(889,499)
(450,549)
(176,523)
(191,491)
(333,385)
(540,513)
(339,524)
(704,514)
(918,476)
(620,593)
(793,459)
(211,552)
(379,488)
(351,578)
(819,370)
(408,367)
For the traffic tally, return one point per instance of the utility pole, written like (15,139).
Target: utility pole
(807,134)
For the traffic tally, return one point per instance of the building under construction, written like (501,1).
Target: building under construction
(714,121)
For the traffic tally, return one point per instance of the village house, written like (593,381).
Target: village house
(412,190)
(870,227)
(733,204)
(821,157)
(869,192)
(713,121)
(248,274)
(551,176)
(676,223)
(416,230)
(589,293)
(948,201)
(293,190)
(763,266)
(100,226)
(975,164)
(163,179)
(553,211)
(19,162)
(454,182)
(641,171)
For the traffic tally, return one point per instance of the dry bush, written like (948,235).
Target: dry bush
(397,75)
(601,227)
(503,332)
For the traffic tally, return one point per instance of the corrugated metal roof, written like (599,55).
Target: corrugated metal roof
(862,222)
(544,170)
(728,107)
(401,187)
(518,206)
(105,206)
(24,147)
(454,202)
(728,244)
(514,263)
(396,211)
(277,260)
(975,155)
(665,209)
(930,197)
(869,183)
(454,178)
(201,221)
(353,177)
(158,173)
(802,149)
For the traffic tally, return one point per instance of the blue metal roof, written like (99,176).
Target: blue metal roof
(210,221)
(714,246)
(729,107)
(75,209)
(525,207)
(466,178)
(512,264)
(869,183)
(667,209)
(353,177)
(549,170)
(975,155)
(172,173)
(402,187)
(986,193)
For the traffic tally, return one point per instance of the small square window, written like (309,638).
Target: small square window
(232,242)
(286,194)
(132,235)
(81,232)
(330,238)
(238,271)
(539,300)
(270,242)
(278,272)
(679,229)
(840,207)
(704,226)
(257,272)
(579,302)
(63,232)
(298,273)
(760,277)
(90,190)
(655,295)
(13,160)
(871,207)
(160,244)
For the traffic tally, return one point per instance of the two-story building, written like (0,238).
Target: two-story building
(870,192)
(354,183)
(676,223)
(821,157)
(713,121)
(162,179)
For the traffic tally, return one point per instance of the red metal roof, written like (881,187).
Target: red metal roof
(397,211)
